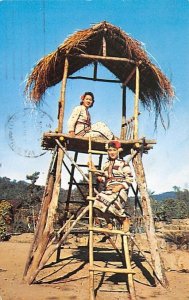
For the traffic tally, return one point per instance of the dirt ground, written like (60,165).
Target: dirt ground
(68,279)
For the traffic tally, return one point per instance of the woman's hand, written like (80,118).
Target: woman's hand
(117,188)
(91,166)
(100,179)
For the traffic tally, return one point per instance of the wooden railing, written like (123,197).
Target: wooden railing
(129,128)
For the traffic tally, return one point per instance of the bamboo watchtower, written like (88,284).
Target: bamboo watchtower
(124,57)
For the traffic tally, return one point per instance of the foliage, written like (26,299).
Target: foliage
(168,209)
(21,193)
(23,197)
(6,218)
(33,189)
(33,177)
(20,227)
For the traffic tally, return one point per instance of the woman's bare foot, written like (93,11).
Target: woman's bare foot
(110,226)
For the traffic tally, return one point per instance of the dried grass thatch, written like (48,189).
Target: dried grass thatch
(155,89)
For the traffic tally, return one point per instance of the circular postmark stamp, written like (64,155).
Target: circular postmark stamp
(24,131)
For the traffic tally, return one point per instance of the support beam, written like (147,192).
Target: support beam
(123,121)
(48,215)
(95,79)
(104,58)
(148,219)
(95,71)
(54,247)
(61,104)
(47,195)
(104,46)
(91,246)
(136,104)
(129,77)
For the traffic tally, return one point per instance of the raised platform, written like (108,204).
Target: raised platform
(81,144)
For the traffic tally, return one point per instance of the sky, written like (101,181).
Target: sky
(32,29)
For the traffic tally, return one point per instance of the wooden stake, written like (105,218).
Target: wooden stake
(148,219)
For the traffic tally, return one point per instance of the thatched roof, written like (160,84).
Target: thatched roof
(155,89)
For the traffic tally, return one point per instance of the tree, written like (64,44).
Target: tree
(34,197)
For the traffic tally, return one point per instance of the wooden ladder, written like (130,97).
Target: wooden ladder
(125,242)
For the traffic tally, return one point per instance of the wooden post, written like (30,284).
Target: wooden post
(136,104)
(45,228)
(91,258)
(123,122)
(95,70)
(128,265)
(47,195)
(50,211)
(62,97)
(103,46)
(148,219)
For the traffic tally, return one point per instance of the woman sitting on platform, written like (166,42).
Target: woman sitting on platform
(117,176)
(79,123)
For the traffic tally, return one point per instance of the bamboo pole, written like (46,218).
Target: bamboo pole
(148,219)
(128,264)
(62,96)
(71,159)
(70,186)
(123,121)
(94,72)
(129,77)
(132,73)
(94,79)
(57,135)
(113,270)
(103,58)
(136,104)
(91,258)
(104,46)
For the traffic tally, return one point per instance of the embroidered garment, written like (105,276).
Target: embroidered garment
(80,123)
(115,172)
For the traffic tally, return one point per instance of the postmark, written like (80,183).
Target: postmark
(24,130)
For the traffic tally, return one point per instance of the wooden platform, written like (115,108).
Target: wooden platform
(81,144)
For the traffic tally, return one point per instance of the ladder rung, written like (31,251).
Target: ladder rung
(84,166)
(76,202)
(81,183)
(112,270)
(91,198)
(97,152)
(106,230)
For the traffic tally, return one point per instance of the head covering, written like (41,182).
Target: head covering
(114,144)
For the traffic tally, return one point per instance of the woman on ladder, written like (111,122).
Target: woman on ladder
(117,176)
